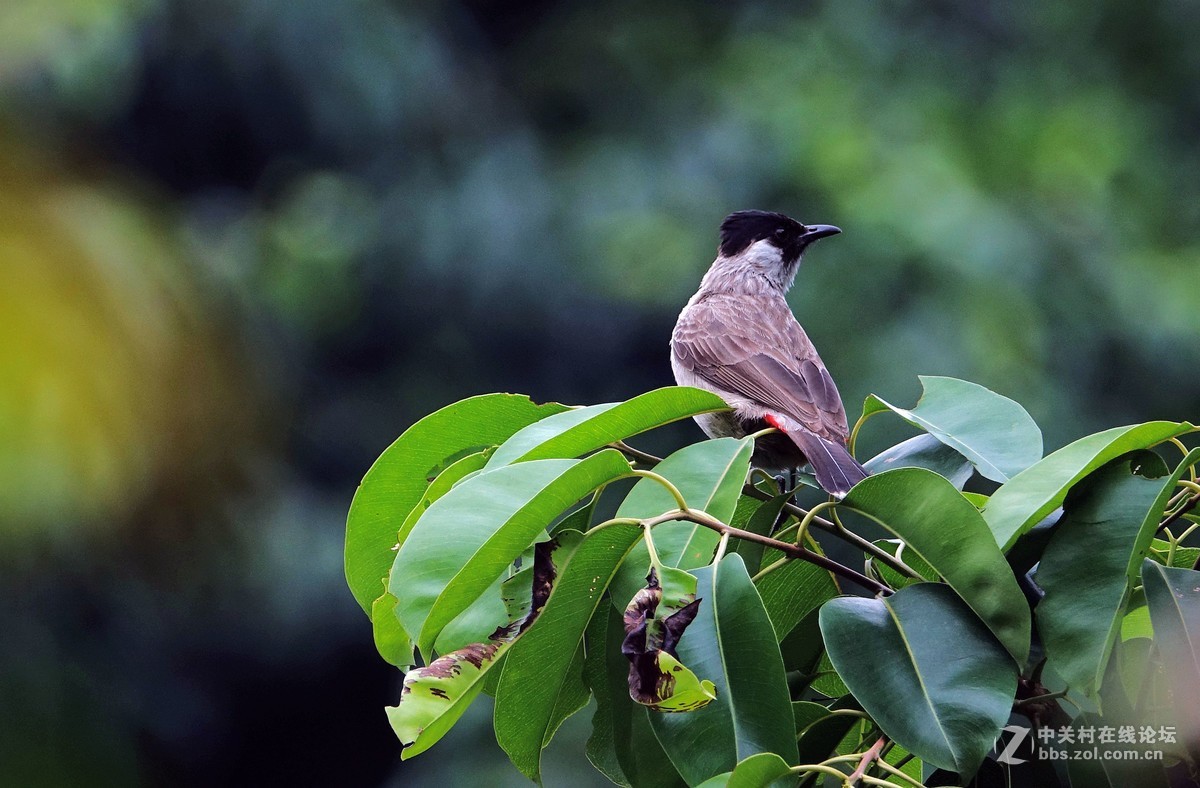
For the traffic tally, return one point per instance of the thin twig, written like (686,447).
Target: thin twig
(1187,506)
(868,757)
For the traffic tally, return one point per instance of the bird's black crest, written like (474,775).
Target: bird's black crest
(743,228)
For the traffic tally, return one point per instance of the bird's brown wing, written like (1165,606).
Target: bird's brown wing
(763,354)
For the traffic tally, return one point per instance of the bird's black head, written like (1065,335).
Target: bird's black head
(741,229)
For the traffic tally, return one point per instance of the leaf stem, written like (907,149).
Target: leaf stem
(1180,445)
(665,482)
(1040,698)
(858,426)
(769,569)
(643,457)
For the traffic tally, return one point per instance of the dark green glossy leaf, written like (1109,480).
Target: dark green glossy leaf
(1092,561)
(1173,596)
(754,772)
(581,430)
(943,528)
(820,737)
(924,451)
(469,537)
(990,430)
(710,475)
(540,662)
(396,481)
(926,669)
(1040,489)
(730,642)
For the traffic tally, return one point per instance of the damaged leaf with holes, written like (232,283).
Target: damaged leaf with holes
(657,679)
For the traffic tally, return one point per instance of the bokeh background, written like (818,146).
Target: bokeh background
(243,245)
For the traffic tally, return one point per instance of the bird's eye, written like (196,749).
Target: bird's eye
(779,232)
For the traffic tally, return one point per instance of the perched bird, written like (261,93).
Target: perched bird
(737,337)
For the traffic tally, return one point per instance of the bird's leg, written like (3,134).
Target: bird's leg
(787,483)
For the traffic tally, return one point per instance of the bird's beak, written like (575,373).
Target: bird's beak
(816,231)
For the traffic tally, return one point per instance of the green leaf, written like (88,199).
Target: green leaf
(1173,596)
(943,528)
(621,746)
(433,698)
(1183,558)
(581,430)
(754,772)
(1092,561)
(1040,489)
(730,642)
(710,475)
(925,669)
(469,537)
(391,641)
(573,695)
(445,481)
(819,738)
(540,662)
(924,451)
(761,518)
(396,481)
(990,430)
(794,590)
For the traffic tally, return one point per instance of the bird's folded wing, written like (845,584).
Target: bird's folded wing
(736,362)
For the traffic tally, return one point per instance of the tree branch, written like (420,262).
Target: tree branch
(791,550)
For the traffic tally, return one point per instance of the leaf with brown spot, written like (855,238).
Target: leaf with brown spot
(434,697)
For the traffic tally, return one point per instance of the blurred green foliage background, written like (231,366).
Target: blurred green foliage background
(243,245)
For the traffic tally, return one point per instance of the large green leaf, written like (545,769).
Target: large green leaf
(469,536)
(924,451)
(1092,562)
(731,643)
(710,475)
(1038,490)
(992,431)
(396,481)
(582,430)
(926,670)
(794,590)
(754,772)
(1173,596)
(453,473)
(936,522)
(540,664)
(622,745)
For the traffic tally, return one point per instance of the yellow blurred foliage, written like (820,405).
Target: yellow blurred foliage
(113,385)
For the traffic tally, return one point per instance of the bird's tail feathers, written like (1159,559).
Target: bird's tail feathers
(835,469)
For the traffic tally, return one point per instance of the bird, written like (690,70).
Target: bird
(737,337)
